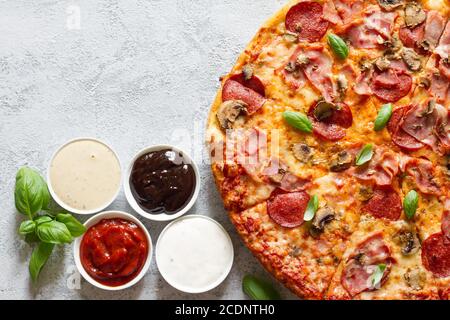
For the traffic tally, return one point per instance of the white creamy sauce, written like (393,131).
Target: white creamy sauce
(85,175)
(194,254)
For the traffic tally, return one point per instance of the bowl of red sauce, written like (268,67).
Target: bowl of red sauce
(115,252)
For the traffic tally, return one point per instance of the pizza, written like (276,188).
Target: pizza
(330,143)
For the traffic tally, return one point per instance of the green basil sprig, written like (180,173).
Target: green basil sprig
(365,155)
(410,204)
(39,258)
(44,230)
(298,120)
(384,115)
(31,193)
(377,275)
(258,289)
(339,47)
(311,209)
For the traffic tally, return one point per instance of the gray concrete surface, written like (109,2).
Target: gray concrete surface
(131,72)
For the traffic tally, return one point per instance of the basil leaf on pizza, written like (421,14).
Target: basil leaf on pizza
(384,115)
(410,204)
(311,209)
(298,121)
(338,45)
(377,275)
(365,155)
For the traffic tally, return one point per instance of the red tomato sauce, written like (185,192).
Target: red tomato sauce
(114,251)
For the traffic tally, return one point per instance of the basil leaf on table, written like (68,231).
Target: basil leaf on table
(377,275)
(298,120)
(339,47)
(54,232)
(410,204)
(365,155)
(42,219)
(39,257)
(31,193)
(311,209)
(75,227)
(27,227)
(384,115)
(258,289)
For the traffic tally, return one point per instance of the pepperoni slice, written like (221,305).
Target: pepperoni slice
(254,83)
(385,204)
(250,91)
(287,209)
(446,226)
(332,127)
(436,255)
(399,136)
(391,85)
(306,19)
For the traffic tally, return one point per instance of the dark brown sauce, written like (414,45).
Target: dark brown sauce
(162,182)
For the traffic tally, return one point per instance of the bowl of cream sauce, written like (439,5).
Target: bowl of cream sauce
(84,176)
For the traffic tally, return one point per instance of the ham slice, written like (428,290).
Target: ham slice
(367,32)
(296,79)
(362,86)
(429,125)
(423,172)
(348,9)
(358,271)
(319,72)
(330,13)
(434,26)
(383,167)
(443,49)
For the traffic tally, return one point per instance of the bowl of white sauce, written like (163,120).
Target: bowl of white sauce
(84,176)
(194,254)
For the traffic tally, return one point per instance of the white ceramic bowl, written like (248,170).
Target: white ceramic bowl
(62,203)
(112,215)
(211,285)
(163,216)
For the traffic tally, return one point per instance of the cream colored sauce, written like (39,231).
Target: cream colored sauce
(85,175)
(194,254)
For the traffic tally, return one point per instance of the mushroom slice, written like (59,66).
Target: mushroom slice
(248,72)
(412,59)
(382,63)
(415,278)
(229,111)
(323,216)
(302,152)
(341,162)
(365,193)
(414,15)
(323,110)
(390,5)
(409,242)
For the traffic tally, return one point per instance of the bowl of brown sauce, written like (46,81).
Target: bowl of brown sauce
(162,183)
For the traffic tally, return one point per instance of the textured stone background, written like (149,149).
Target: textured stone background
(136,73)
